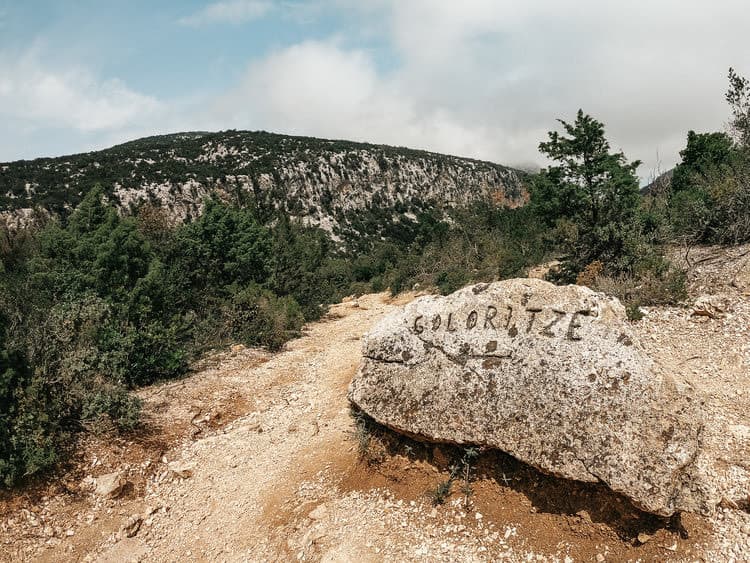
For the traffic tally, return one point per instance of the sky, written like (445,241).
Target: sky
(478,78)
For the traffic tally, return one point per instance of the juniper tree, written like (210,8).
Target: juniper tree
(593,191)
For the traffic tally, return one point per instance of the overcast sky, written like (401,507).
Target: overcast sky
(479,78)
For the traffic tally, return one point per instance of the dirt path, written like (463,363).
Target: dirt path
(253,458)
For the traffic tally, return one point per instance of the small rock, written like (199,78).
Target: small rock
(87,484)
(181,469)
(643,537)
(110,485)
(319,512)
(131,526)
(599,557)
(713,306)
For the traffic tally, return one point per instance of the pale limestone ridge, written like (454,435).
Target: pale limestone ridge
(319,181)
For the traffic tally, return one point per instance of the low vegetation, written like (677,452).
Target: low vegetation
(96,303)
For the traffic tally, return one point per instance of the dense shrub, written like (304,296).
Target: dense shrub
(709,199)
(480,243)
(103,303)
(257,315)
(660,284)
(26,438)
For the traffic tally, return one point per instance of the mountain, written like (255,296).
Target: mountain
(659,184)
(328,183)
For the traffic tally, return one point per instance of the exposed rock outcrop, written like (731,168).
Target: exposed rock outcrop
(552,375)
(326,183)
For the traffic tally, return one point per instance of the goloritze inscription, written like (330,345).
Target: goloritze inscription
(498,319)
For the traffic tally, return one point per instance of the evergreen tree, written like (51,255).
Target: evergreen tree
(592,191)
(704,154)
(738,97)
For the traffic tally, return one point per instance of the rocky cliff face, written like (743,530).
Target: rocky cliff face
(325,182)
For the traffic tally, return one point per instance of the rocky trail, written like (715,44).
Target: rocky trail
(255,457)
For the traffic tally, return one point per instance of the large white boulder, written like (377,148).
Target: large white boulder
(551,375)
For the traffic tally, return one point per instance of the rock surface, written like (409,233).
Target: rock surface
(181,469)
(713,306)
(552,375)
(320,181)
(110,485)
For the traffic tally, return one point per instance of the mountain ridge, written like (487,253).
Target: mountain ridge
(325,182)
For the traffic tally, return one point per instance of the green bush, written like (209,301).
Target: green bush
(111,405)
(659,284)
(709,199)
(103,304)
(27,435)
(257,316)
(633,312)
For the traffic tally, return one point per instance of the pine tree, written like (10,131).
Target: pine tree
(593,190)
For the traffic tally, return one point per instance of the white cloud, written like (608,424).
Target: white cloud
(72,98)
(649,70)
(479,78)
(61,110)
(319,88)
(488,78)
(228,11)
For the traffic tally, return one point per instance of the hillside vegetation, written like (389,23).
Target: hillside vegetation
(140,258)
(346,188)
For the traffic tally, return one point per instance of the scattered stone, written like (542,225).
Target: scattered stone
(131,526)
(110,485)
(551,375)
(319,512)
(181,469)
(88,483)
(643,537)
(712,306)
